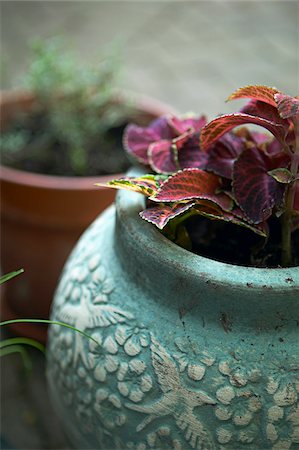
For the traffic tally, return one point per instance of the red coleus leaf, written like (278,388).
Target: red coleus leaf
(221,157)
(262,93)
(288,107)
(221,125)
(136,140)
(270,113)
(265,111)
(192,184)
(236,216)
(146,185)
(161,214)
(255,191)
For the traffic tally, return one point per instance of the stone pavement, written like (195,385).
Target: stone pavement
(190,54)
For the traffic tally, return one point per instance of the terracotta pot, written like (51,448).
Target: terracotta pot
(41,219)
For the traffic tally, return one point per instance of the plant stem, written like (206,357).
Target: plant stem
(286,241)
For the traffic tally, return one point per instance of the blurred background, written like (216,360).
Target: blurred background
(188,54)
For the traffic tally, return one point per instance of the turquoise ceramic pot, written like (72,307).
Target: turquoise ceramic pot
(190,353)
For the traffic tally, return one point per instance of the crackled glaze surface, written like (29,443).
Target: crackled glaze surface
(167,373)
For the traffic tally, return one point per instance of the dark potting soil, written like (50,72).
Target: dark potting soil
(43,154)
(234,244)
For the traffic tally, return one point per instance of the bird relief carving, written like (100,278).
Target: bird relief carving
(177,401)
(86,307)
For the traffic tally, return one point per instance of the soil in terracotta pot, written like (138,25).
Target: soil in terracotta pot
(233,244)
(42,154)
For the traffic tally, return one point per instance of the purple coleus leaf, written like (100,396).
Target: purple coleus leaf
(161,157)
(288,107)
(192,184)
(161,214)
(189,154)
(182,152)
(273,147)
(167,144)
(136,139)
(190,123)
(221,157)
(255,191)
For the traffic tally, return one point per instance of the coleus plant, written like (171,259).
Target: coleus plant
(240,176)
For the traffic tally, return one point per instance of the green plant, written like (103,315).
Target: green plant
(75,105)
(10,275)
(16,344)
(244,177)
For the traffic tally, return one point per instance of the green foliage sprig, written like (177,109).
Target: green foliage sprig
(76,100)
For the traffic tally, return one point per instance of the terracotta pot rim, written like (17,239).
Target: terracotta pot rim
(55,182)
(142,102)
(170,256)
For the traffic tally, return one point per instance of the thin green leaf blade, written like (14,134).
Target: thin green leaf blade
(10,275)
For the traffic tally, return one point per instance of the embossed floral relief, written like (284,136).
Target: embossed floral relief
(161,438)
(126,377)
(282,427)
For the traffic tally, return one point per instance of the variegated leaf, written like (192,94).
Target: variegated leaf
(262,93)
(281,175)
(146,185)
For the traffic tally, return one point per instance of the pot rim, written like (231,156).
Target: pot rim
(143,103)
(169,255)
(59,182)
